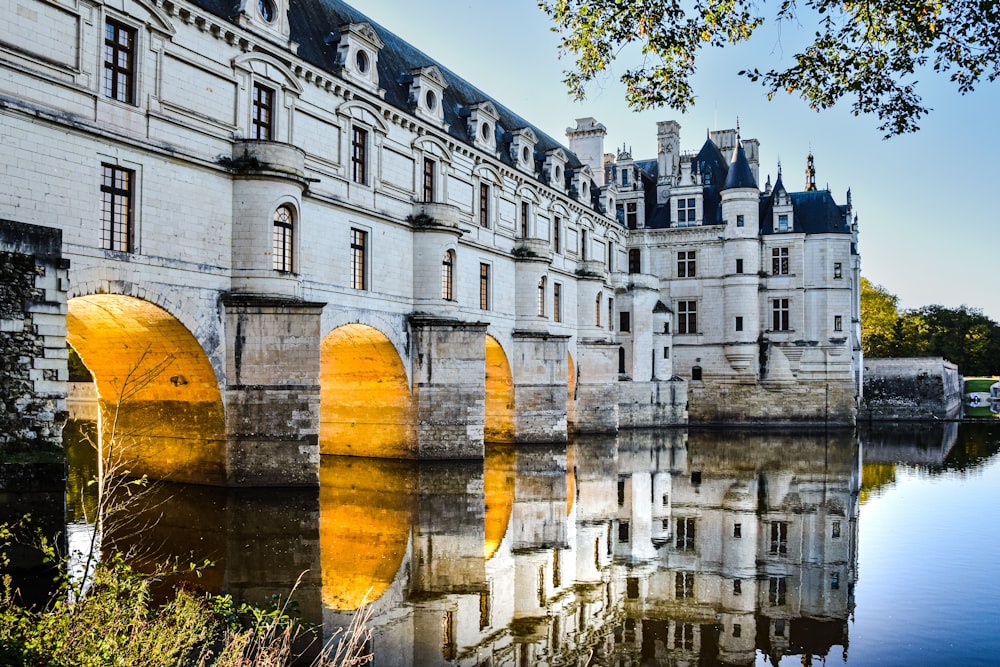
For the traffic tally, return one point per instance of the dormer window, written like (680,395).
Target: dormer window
(555,163)
(783,223)
(522,149)
(427,86)
(483,118)
(687,211)
(358,46)
(270,17)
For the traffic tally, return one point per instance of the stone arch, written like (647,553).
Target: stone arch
(499,426)
(498,491)
(366,407)
(161,410)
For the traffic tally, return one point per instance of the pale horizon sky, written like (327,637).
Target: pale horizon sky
(928,229)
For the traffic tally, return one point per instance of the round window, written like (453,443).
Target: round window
(266,9)
(431,99)
(486,129)
(361,60)
(584,187)
(525,154)
(558,172)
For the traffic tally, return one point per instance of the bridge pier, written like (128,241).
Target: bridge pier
(449,387)
(272,390)
(596,399)
(539,367)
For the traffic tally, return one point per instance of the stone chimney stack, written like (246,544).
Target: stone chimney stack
(587,141)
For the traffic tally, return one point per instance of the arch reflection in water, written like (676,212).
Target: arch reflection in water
(650,547)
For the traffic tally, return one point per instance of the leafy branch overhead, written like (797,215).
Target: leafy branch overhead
(865,52)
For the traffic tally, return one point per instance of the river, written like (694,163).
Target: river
(676,547)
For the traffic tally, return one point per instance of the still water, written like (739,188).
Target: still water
(684,547)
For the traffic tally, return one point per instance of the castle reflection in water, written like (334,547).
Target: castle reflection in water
(668,548)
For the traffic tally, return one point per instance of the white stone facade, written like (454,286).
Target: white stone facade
(222,118)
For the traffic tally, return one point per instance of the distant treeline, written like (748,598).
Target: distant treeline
(961,335)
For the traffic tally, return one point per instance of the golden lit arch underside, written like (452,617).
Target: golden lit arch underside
(161,409)
(570,390)
(498,489)
(366,408)
(366,511)
(499,394)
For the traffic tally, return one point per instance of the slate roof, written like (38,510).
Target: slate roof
(813,212)
(310,23)
(740,175)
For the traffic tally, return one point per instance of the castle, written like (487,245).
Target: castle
(343,240)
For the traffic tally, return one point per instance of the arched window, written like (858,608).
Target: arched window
(283,240)
(541,297)
(597,309)
(448,276)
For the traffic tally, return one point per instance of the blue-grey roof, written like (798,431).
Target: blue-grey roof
(740,175)
(311,21)
(813,212)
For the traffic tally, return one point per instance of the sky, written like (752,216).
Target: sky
(928,224)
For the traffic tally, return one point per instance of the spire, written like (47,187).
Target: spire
(740,175)
(810,173)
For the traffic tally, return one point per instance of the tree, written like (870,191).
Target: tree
(879,318)
(865,51)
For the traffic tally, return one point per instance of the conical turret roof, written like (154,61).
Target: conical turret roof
(740,174)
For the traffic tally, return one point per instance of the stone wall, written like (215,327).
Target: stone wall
(924,388)
(33,354)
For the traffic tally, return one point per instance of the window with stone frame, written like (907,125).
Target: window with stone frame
(484,286)
(484,205)
(838,270)
(359,259)
(779,261)
(779,538)
(634,261)
(684,535)
(686,212)
(683,585)
(687,317)
(556,234)
(448,276)
(780,318)
(686,266)
(557,302)
(430,166)
(597,308)
(632,215)
(541,296)
(117,191)
(283,240)
(525,214)
(777,591)
(359,155)
(838,322)
(683,636)
(119,61)
(262,113)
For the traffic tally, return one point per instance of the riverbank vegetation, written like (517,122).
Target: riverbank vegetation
(963,335)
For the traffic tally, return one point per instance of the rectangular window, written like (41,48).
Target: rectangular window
(556,234)
(634,261)
(779,261)
(685,534)
(838,270)
(484,205)
(597,311)
(119,62)
(739,266)
(782,223)
(611,314)
(684,636)
(739,323)
(737,530)
(541,297)
(777,590)
(779,537)
(611,256)
(359,259)
(429,167)
(666,353)
(739,221)
(624,321)
(779,315)
(624,177)
(623,531)
(686,212)
(835,532)
(686,264)
(737,630)
(359,155)
(525,211)
(557,302)
(262,120)
(737,586)
(835,581)
(687,317)
(484,286)
(116,207)
(683,585)
(632,215)
(838,323)
(448,276)
(584,245)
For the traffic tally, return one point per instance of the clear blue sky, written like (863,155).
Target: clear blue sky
(925,201)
